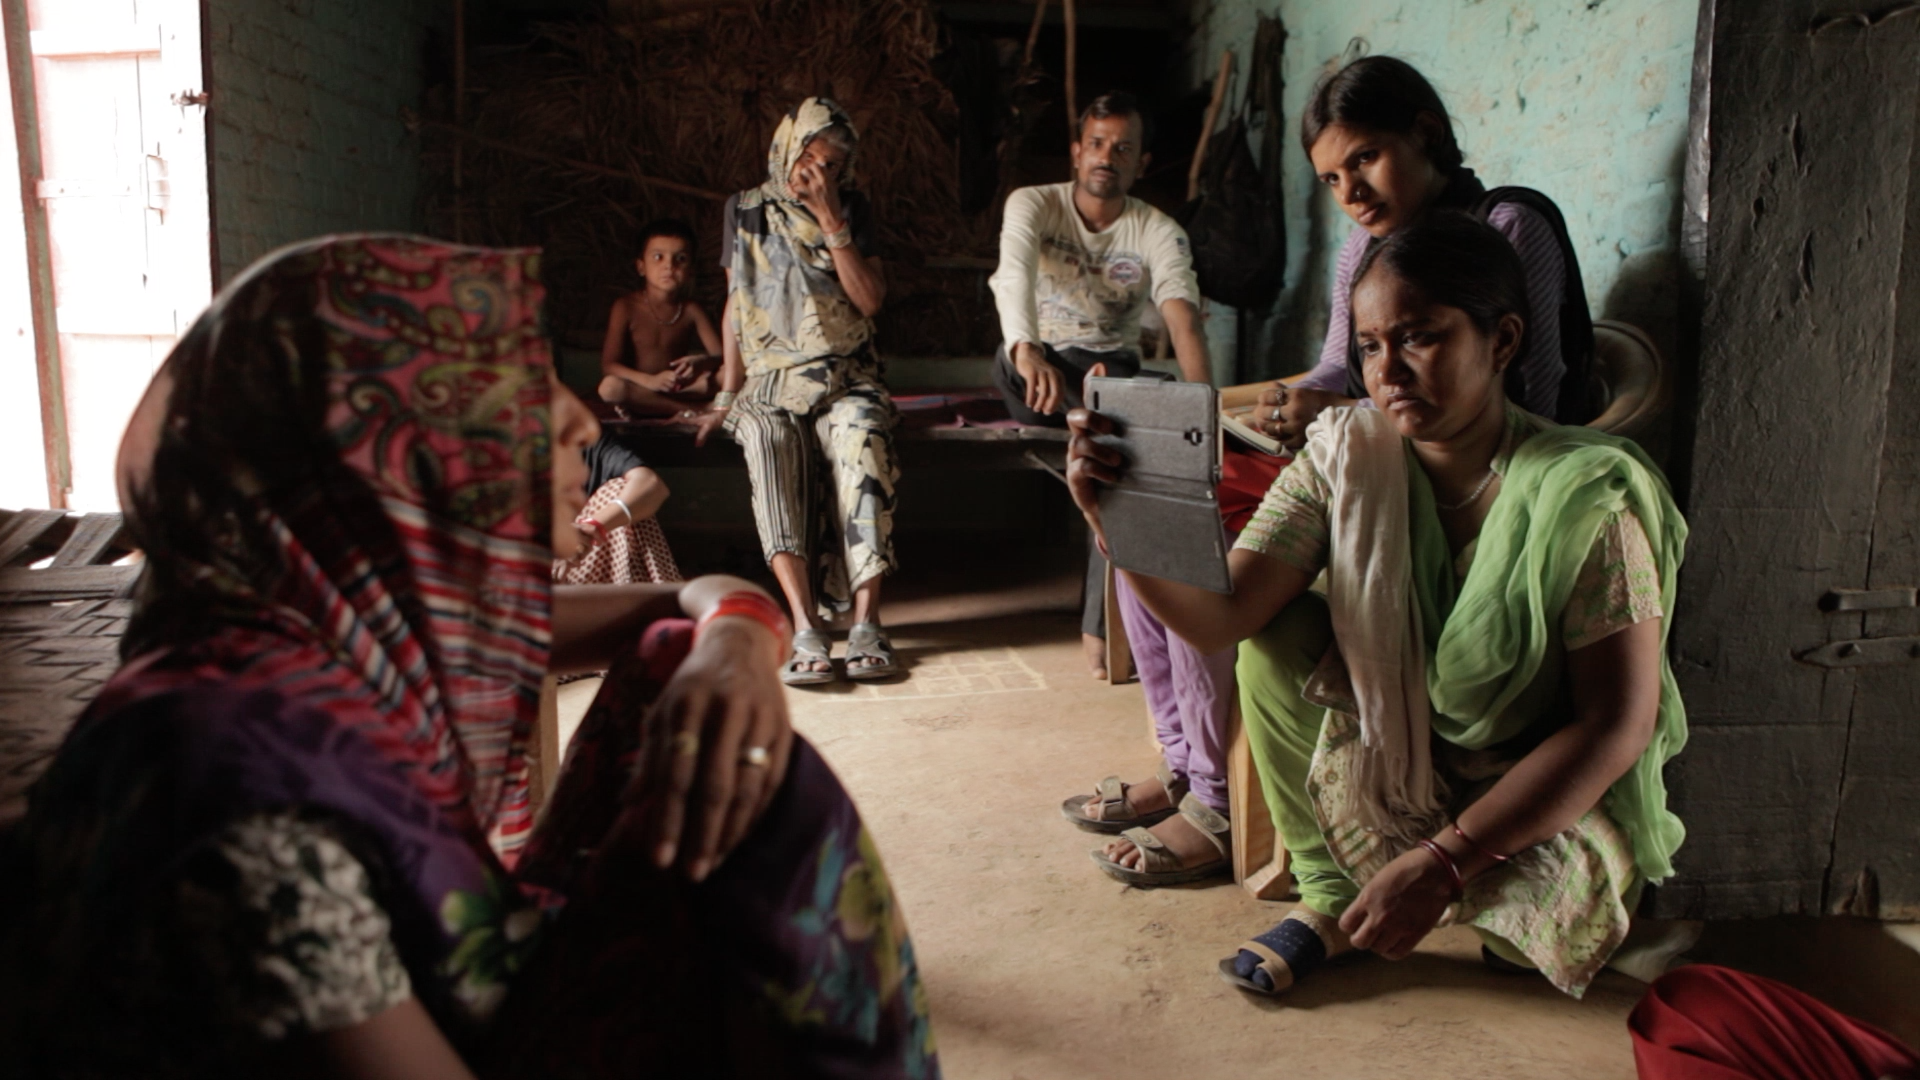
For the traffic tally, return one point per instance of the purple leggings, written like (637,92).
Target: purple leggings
(1189,693)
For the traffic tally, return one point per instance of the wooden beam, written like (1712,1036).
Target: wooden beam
(547,743)
(1033,33)
(92,537)
(25,529)
(46,331)
(1072,79)
(459,120)
(1220,79)
(68,583)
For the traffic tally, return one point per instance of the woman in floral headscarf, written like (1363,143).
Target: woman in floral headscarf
(801,390)
(293,835)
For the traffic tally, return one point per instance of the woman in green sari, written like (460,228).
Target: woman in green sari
(1469,726)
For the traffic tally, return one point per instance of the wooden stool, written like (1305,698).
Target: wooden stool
(1119,652)
(1259,858)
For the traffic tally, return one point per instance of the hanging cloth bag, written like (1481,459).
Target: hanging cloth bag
(1238,235)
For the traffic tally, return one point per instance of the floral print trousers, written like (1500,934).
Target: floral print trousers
(824,476)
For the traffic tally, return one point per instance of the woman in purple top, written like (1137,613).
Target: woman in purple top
(1378,135)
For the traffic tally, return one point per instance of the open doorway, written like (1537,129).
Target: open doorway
(110,260)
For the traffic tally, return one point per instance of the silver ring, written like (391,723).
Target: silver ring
(756,756)
(1276,413)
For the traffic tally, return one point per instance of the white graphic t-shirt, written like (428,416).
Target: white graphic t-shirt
(1063,285)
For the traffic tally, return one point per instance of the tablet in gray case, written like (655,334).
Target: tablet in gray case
(1162,518)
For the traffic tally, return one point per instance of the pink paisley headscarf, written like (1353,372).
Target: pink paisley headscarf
(394,567)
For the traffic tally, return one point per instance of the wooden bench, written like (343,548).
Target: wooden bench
(60,627)
(667,446)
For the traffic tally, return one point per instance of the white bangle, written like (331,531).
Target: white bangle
(624,508)
(840,237)
(724,399)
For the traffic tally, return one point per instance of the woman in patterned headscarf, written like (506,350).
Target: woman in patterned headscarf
(294,834)
(801,390)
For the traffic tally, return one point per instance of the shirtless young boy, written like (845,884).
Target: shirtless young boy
(672,345)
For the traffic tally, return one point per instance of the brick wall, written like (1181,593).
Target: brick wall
(305,119)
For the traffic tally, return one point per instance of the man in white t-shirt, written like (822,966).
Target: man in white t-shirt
(1079,262)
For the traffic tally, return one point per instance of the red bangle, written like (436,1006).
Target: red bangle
(591,523)
(1447,864)
(1477,846)
(750,605)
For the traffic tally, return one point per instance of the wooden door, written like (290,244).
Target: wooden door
(1875,869)
(124,183)
(1797,642)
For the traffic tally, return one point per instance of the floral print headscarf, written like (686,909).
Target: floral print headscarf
(789,309)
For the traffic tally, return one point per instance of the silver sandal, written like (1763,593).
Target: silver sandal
(866,641)
(810,646)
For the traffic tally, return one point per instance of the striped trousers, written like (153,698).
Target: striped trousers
(823,480)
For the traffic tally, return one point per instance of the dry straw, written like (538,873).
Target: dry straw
(561,132)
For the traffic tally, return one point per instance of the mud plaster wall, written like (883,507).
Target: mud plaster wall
(305,120)
(1585,100)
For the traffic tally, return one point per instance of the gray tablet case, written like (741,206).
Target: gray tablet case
(1162,519)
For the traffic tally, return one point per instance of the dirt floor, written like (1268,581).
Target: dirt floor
(1039,967)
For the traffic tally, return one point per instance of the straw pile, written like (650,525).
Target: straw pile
(694,99)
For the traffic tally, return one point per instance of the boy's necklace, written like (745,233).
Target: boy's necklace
(677,312)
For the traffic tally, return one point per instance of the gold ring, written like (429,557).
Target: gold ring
(686,743)
(756,756)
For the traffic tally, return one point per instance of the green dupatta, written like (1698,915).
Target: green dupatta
(1489,641)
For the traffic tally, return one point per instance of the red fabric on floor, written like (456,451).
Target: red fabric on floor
(1711,1023)
(1245,476)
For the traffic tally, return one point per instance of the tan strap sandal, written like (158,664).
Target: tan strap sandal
(1160,866)
(1117,813)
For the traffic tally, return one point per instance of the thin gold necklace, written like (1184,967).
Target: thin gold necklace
(1471,499)
(1488,479)
(677,312)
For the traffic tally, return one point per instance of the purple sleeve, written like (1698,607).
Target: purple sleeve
(1539,249)
(1330,374)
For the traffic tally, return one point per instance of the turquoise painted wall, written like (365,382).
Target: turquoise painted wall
(1585,100)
